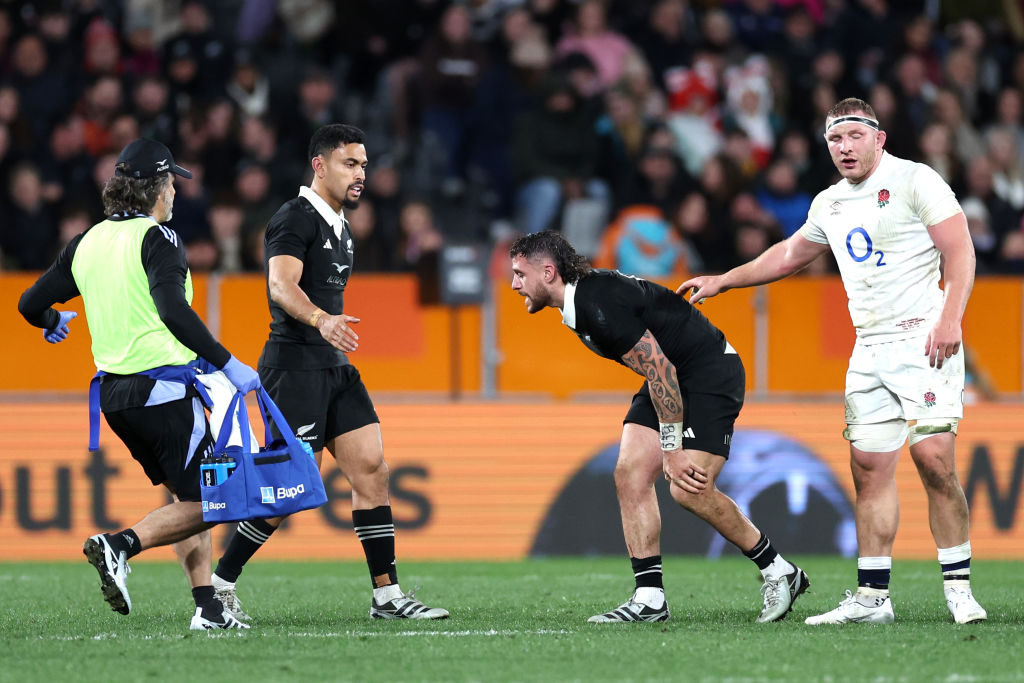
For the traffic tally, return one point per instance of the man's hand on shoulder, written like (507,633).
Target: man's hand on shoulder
(701,287)
(337,331)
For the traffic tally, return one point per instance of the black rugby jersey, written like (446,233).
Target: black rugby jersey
(609,312)
(298,229)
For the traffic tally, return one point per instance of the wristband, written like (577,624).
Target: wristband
(315,317)
(671,435)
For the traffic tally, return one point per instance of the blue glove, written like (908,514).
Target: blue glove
(60,333)
(241,375)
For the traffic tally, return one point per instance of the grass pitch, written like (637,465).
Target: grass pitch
(519,621)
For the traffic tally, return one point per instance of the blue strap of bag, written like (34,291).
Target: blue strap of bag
(185,374)
(271,413)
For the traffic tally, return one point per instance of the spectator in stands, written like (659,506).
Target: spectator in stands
(913,89)
(1007,177)
(317,105)
(420,248)
(101,50)
(70,166)
(797,48)
(795,147)
(1002,217)
(986,242)
(384,189)
(508,87)
(759,23)
(41,91)
(222,146)
(450,67)
(260,140)
(190,219)
(712,244)
(141,58)
(967,142)
(225,217)
(692,116)
(749,107)
(28,231)
(252,185)
(152,108)
(211,51)
(668,38)
(248,88)
(660,180)
(936,144)
(100,103)
(591,35)
(780,195)
(372,255)
(21,138)
(74,220)
(894,118)
(1010,117)
(556,157)
(123,129)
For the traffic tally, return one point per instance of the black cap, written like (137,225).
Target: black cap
(145,158)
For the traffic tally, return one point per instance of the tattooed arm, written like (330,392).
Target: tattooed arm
(646,358)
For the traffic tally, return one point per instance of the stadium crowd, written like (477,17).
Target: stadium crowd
(661,136)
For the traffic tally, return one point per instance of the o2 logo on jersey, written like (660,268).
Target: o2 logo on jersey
(861,252)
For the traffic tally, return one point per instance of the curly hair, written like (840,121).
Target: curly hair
(124,194)
(571,266)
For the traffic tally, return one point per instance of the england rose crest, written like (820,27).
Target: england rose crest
(883,198)
(929,399)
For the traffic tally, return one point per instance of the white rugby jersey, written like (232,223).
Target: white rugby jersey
(877,231)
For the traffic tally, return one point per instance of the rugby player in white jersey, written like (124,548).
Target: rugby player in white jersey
(895,228)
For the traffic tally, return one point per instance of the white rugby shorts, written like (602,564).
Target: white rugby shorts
(893,380)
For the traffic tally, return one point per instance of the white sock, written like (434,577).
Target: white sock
(650,596)
(778,568)
(387,593)
(220,584)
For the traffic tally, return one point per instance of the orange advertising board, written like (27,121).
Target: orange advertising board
(507,480)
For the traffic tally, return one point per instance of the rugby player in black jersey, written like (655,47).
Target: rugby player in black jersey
(305,368)
(680,423)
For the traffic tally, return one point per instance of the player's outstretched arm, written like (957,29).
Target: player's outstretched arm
(778,261)
(953,241)
(283,273)
(647,358)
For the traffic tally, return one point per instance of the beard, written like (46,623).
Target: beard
(347,203)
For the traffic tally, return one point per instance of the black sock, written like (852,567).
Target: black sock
(763,554)
(203,596)
(647,571)
(126,541)
(376,531)
(249,537)
(873,578)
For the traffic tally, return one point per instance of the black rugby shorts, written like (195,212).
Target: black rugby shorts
(709,415)
(168,440)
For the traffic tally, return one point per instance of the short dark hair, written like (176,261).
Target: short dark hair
(851,105)
(571,266)
(332,136)
(124,194)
